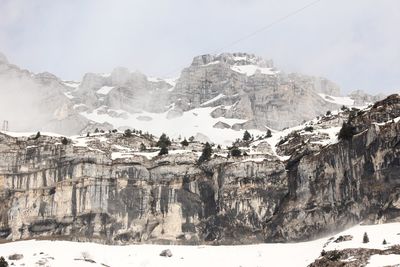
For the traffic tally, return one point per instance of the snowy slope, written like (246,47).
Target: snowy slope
(339,100)
(189,124)
(63,254)
(66,254)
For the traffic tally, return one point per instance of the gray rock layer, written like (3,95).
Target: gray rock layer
(50,190)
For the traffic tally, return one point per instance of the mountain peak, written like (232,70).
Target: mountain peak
(234,59)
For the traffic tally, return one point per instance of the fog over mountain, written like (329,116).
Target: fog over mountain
(215,97)
(353,43)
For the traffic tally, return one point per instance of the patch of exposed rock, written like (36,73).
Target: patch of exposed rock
(221,125)
(351,257)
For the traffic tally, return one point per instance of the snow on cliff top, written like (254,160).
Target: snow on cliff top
(191,123)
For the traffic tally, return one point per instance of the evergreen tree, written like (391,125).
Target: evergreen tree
(365,238)
(235,152)
(163,141)
(347,131)
(206,154)
(142,147)
(246,136)
(127,133)
(96,130)
(309,129)
(191,139)
(64,141)
(269,133)
(3,262)
(184,142)
(37,136)
(163,151)
(88,134)
(328,113)
(384,242)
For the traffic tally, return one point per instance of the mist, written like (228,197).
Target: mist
(354,43)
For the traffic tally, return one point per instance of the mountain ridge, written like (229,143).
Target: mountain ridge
(239,87)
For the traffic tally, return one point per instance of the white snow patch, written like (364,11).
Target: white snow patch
(154,79)
(383,260)
(333,135)
(171,81)
(71,84)
(376,233)
(211,63)
(395,120)
(78,105)
(189,124)
(339,100)
(80,141)
(213,100)
(277,136)
(69,95)
(65,253)
(239,58)
(148,155)
(260,159)
(120,155)
(250,70)
(105,90)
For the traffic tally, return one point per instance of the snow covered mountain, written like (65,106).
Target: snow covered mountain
(214,98)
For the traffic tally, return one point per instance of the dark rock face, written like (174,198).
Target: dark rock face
(51,190)
(344,183)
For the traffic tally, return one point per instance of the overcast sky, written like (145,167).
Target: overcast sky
(355,43)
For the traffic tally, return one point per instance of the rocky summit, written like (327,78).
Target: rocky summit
(327,174)
(223,93)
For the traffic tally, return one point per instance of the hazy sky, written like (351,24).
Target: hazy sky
(355,43)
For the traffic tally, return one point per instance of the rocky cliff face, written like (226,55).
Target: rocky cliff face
(297,184)
(354,180)
(56,190)
(253,89)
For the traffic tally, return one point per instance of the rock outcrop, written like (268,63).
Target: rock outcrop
(108,188)
(254,89)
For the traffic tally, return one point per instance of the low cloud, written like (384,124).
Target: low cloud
(355,43)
